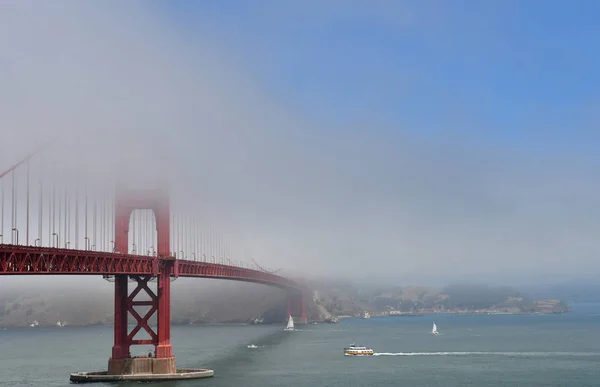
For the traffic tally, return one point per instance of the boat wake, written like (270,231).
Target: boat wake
(511,354)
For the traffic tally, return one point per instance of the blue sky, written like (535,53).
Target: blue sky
(510,73)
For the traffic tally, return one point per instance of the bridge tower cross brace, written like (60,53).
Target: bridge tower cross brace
(160,303)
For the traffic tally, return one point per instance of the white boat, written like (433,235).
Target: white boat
(434,330)
(290,324)
(252,346)
(357,350)
(366,315)
(35,324)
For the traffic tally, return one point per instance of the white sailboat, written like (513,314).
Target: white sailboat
(290,324)
(434,330)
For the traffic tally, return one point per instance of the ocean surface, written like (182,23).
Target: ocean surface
(481,351)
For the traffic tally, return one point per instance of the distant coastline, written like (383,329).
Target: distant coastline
(242,304)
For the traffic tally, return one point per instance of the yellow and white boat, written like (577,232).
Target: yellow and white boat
(357,350)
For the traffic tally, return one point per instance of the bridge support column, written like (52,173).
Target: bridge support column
(164,350)
(297,306)
(120,348)
(162,361)
(303,312)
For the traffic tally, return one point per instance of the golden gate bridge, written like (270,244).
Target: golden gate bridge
(57,220)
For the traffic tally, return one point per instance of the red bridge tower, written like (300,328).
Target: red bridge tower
(160,302)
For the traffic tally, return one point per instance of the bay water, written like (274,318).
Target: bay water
(489,350)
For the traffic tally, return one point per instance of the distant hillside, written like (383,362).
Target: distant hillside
(481,296)
(210,301)
(349,300)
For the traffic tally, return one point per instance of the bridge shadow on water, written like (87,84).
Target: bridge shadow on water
(232,365)
(242,355)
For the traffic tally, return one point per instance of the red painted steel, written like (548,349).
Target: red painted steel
(125,203)
(163,347)
(296,299)
(120,348)
(142,322)
(213,270)
(29,260)
(125,305)
(128,201)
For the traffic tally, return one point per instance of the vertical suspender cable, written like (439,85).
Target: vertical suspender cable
(59,220)
(77,211)
(64,214)
(101,247)
(86,237)
(12,221)
(203,242)
(185,230)
(41,209)
(213,250)
(51,228)
(67,218)
(191,236)
(171,231)
(104,224)
(219,252)
(95,224)
(105,221)
(209,245)
(145,223)
(132,219)
(111,222)
(175,233)
(182,234)
(196,246)
(27,206)
(1,210)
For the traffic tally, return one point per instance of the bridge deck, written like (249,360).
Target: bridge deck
(28,260)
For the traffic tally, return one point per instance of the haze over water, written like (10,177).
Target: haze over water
(492,351)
